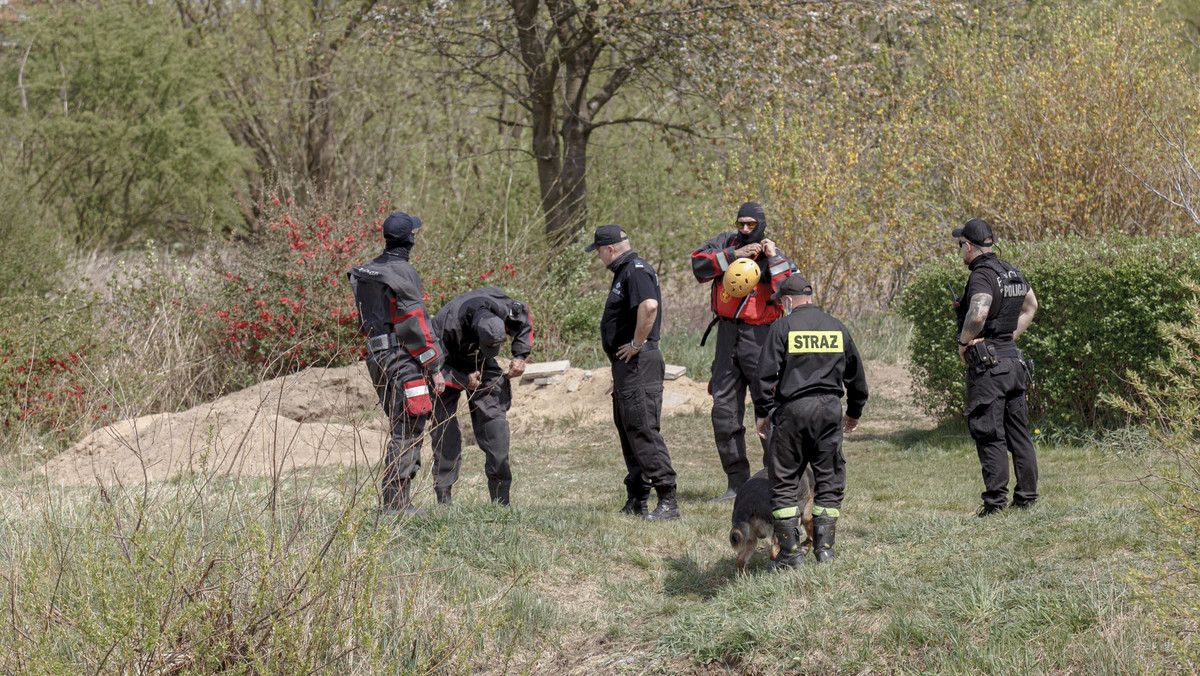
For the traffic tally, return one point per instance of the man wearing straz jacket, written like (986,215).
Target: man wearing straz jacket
(402,352)
(808,361)
(741,328)
(472,327)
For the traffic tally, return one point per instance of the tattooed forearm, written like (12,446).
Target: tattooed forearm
(976,316)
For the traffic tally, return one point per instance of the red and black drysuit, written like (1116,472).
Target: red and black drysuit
(741,329)
(463,326)
(401,350)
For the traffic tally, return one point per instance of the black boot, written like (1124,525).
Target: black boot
(668,508)
(824,528)
(735,482)
(498,490)
(636,506)
(787,536)
(397,502)
(443,495)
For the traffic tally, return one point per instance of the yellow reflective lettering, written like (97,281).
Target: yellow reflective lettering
(800,342)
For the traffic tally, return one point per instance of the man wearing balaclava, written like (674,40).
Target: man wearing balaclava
(472,327)
(404,357)
(742,324)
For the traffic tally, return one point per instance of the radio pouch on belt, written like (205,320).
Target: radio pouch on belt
(416,398)
(985,355)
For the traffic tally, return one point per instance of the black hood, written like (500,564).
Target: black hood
(753,210)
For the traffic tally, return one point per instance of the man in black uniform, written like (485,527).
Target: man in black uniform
(741,328)
(629,333)
(472,327)
(807,360)
(401,354)
(997,307)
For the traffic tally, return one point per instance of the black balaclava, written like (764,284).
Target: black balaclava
(752,210)
(398,233)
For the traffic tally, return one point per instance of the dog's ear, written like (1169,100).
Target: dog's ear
(774,548)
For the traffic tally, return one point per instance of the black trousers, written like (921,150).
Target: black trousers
(637,412)
(488,404)
(734,365)
(808,431)
(999,422)
(402,459)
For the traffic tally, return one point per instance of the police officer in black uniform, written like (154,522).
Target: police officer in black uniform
(629,333)
(807,363)
(472,327)
(996,308)
(401,354)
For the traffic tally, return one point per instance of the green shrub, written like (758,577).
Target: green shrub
(1167,397)
(1100,303)
(119,122)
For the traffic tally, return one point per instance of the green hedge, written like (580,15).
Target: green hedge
(1100,303)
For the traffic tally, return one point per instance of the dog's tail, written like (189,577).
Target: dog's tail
(737,534)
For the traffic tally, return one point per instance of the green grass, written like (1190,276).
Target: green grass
(561,580)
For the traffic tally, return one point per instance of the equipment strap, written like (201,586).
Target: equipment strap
(381,343)
(707,331)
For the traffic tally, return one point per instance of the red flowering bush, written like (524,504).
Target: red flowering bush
(285,303)
(46,378)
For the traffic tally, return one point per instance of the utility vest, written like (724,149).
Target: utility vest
(1002,319)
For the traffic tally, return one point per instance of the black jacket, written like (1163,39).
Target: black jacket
(807,353)
(453,325)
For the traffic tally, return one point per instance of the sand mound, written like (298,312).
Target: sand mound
(312,418)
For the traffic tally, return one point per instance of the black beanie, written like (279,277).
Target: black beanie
(753,210)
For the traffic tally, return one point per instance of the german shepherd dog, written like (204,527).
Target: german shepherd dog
(752,518)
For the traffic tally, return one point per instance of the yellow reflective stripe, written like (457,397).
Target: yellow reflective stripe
(832,512)
(814,341)
(786,513)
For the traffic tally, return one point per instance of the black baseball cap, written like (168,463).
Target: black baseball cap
(606,235)
(794,285)
(399,227)
(490,330)
(976,231)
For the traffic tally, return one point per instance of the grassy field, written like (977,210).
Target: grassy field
(262,573)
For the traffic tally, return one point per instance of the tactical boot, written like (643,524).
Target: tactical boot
(787,536)
(668,508)
(396,502)
(988,510)
(443,495)
(636,506)
(824,528)
(735,482)
(498,490)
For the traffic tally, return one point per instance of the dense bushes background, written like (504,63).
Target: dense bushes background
(1100,304)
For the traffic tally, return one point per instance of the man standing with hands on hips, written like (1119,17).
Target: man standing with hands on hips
(629,333)
(808,362)
(995,310)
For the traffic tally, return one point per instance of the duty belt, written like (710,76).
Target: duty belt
(381,343)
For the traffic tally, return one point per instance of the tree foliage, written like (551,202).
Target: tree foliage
(1039,121)
(116,120)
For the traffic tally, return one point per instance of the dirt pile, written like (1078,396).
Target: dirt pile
(312,418)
